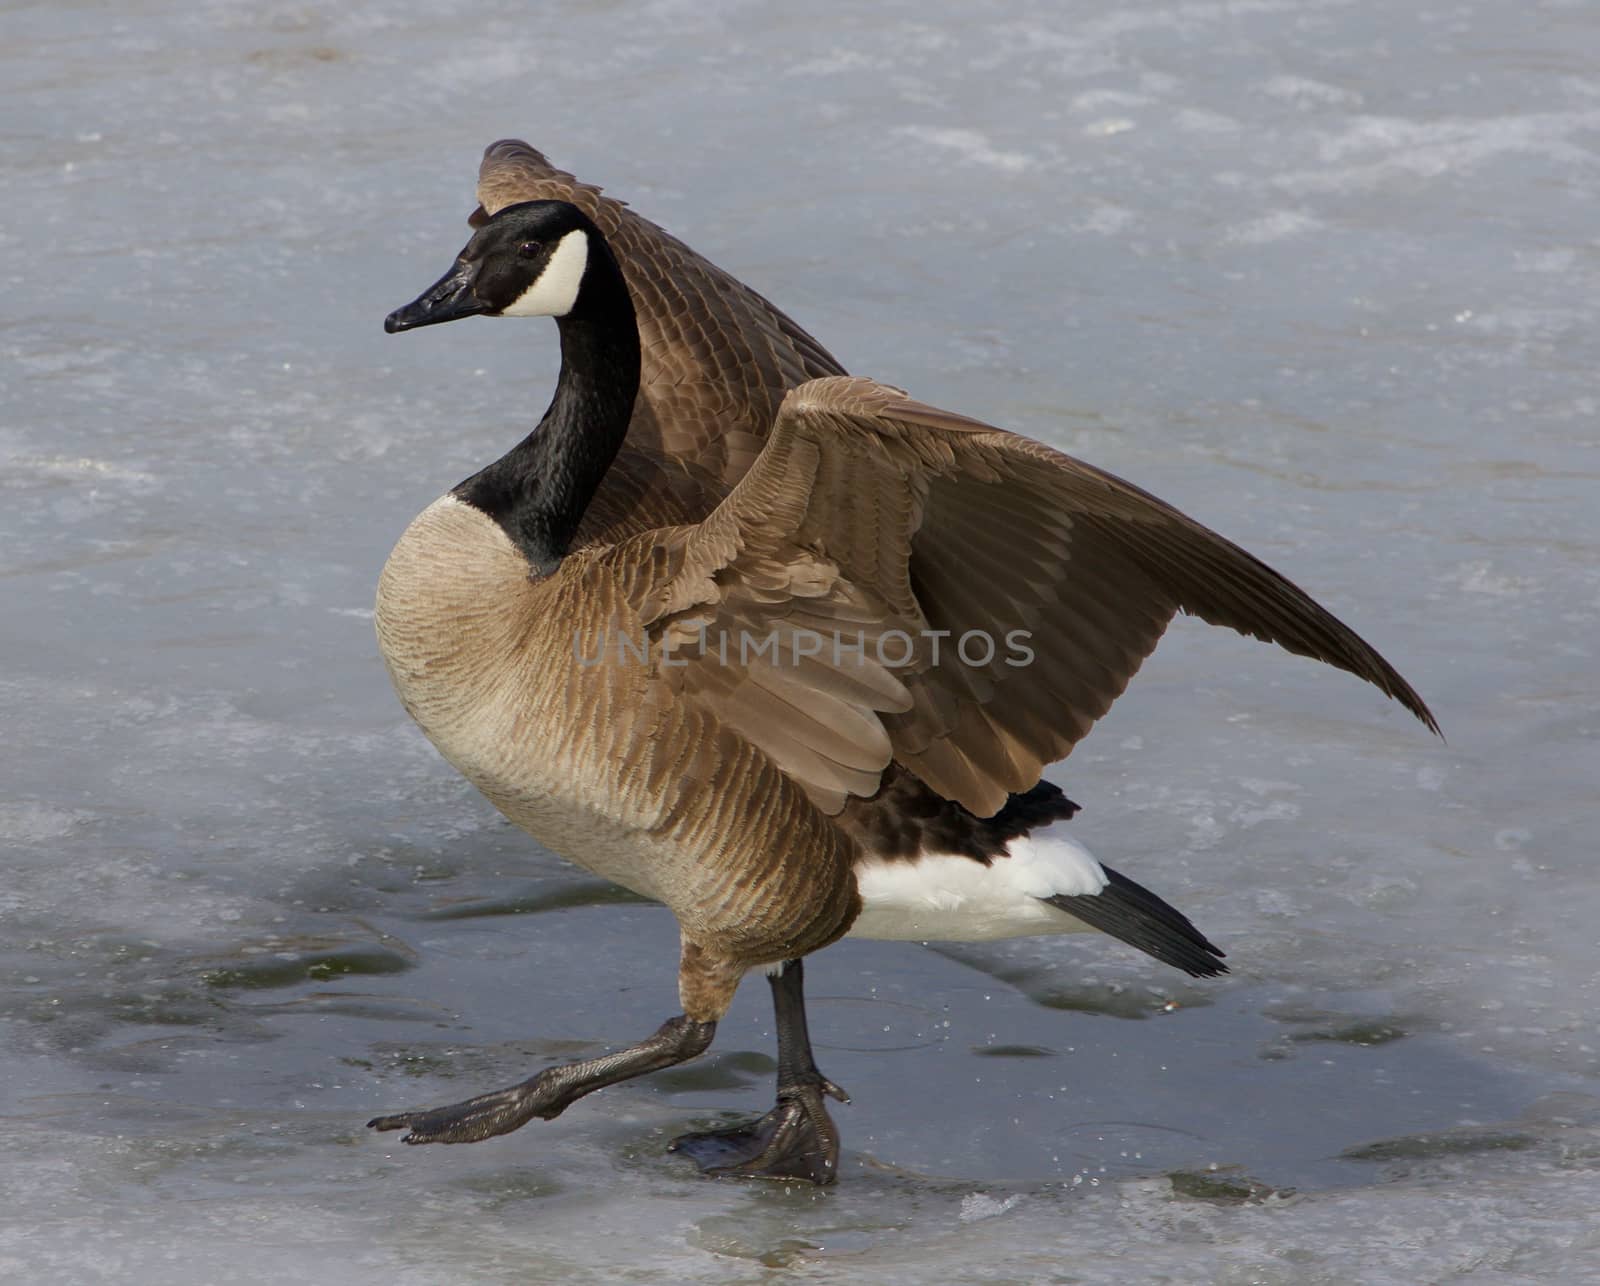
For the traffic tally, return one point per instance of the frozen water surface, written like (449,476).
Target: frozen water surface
(1324,272)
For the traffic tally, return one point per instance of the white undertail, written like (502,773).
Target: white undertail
(951,898)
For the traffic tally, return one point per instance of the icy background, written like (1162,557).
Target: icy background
(1323,272)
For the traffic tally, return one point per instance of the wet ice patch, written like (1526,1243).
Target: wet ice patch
(1377,150)
(1099,100)
(1431,777)
(979,1205)
(1105,219)
(1109,126)
(969,145)
(1556,260)
(1276,225)
(836,62)
(30,822)
(1304,92)
(1265,808)
(1195,120)
(78,467)
(1481,577)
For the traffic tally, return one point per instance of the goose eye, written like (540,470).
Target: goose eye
(530,249)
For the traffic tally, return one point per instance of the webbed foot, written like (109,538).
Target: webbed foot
(483,1117)
(552,1091)
(795,1140)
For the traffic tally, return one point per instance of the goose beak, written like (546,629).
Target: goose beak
(448,299)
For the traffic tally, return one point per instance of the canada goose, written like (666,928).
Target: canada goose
(842,775)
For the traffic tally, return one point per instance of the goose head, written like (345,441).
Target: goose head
(532,259)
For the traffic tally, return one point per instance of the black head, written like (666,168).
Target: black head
(529,260)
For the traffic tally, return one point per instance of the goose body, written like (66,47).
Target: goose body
(716,360)
(587,788)
(582,787)
(741,709)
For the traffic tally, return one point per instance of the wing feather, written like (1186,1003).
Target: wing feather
(867,511)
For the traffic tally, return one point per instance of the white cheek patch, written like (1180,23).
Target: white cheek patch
(556,289)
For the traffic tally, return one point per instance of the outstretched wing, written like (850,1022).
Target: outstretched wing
(872,515)
(717,357)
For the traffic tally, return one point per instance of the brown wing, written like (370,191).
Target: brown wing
(868,511)
(717,357)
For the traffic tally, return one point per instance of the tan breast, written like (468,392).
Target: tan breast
(459,620)
(593,757)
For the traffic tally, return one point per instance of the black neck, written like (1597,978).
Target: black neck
(538,491)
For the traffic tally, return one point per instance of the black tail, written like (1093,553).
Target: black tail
(1133,914)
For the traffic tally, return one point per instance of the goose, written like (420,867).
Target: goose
(822,708)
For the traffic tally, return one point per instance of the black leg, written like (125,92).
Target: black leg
(553,1090)
(797,1139)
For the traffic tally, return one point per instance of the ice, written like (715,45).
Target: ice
(1322,272)
(970,146)
(980,1206)
(1277,225)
